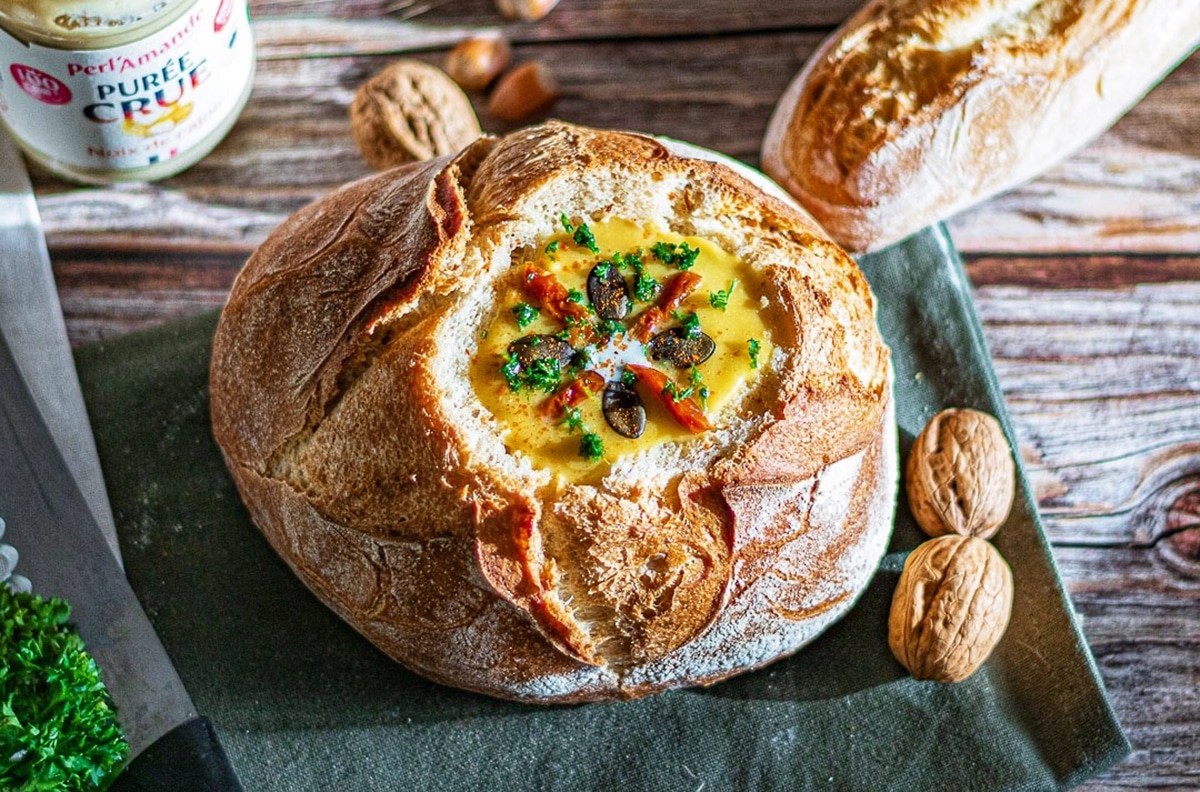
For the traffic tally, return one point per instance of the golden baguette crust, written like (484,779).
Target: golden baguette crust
(916,109)
(340,401)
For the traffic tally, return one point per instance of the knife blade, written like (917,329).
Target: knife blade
(64,554)
(31,318)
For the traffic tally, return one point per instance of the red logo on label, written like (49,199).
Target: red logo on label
(41,86)
(224,11)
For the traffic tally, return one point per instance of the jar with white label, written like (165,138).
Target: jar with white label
(100,91)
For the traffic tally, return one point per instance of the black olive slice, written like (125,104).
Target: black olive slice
(681,348)
(608,291)
(539,346)
(623,409)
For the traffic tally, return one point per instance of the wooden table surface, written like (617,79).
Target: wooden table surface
(1087,279)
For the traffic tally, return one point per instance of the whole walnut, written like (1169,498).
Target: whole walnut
(960,475)
(951,606)
(408,112)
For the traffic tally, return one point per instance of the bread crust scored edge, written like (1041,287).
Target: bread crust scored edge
(916,109)
(341,402)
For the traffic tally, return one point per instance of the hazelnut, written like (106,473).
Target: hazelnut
(960,475)
(408,112)
(526,10)
(525,91)
(475,62)
(950,608)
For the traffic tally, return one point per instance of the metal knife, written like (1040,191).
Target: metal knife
(64,554)
(31,319)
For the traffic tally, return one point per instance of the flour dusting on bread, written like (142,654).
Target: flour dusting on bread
(369,461)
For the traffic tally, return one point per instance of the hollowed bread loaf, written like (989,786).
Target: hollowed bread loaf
(429,485)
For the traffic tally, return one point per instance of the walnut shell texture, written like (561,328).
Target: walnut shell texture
(410,112)
(960,475)
(950,608)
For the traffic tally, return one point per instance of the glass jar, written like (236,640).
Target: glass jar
(100,91)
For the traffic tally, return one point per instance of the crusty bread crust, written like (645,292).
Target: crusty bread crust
(916,109)
(341,401)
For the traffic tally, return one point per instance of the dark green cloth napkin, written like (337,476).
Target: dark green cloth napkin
(303,703)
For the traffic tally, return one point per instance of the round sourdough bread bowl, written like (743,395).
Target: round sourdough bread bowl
(344,402)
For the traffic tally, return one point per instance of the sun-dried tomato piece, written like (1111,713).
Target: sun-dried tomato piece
(553,297)
(572,394)
(678,288)
(683,409)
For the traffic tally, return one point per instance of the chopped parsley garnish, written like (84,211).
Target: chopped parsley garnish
(582,359)
(720,299)
(512,372)
(583,236)
(566,222)
(552,248)
(699,388)
(696,388)
(690,322)
(603,269)
(58,727)
(645,287)
(612,327)
(682,255)
(544,374)
(753,347)
(525,314)
(574,420)
(628,377)
(575,296)
(591,447)
(631,260)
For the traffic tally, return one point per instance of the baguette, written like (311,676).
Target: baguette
(350,397)
(916,109)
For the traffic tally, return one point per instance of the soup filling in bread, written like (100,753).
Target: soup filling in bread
(610,338)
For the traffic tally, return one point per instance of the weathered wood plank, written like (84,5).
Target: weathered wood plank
(1103,385)
(1143,626)
(581,19)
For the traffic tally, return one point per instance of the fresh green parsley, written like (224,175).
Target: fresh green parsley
(574,420)
(631,260)
(583,236)
(552,248)
(582,359)
(690,322)
(720,299)
(753,347)
(628,377)
(682,255)
(575,296)
(58,728)
(698,387)
(512,372)
(591,447)
(612,327)
(566,223)
(525,314)
(645,287)
(543,374)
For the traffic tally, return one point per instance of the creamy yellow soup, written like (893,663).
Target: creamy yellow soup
(579,443)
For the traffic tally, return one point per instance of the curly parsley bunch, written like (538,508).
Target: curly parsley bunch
(58,728)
